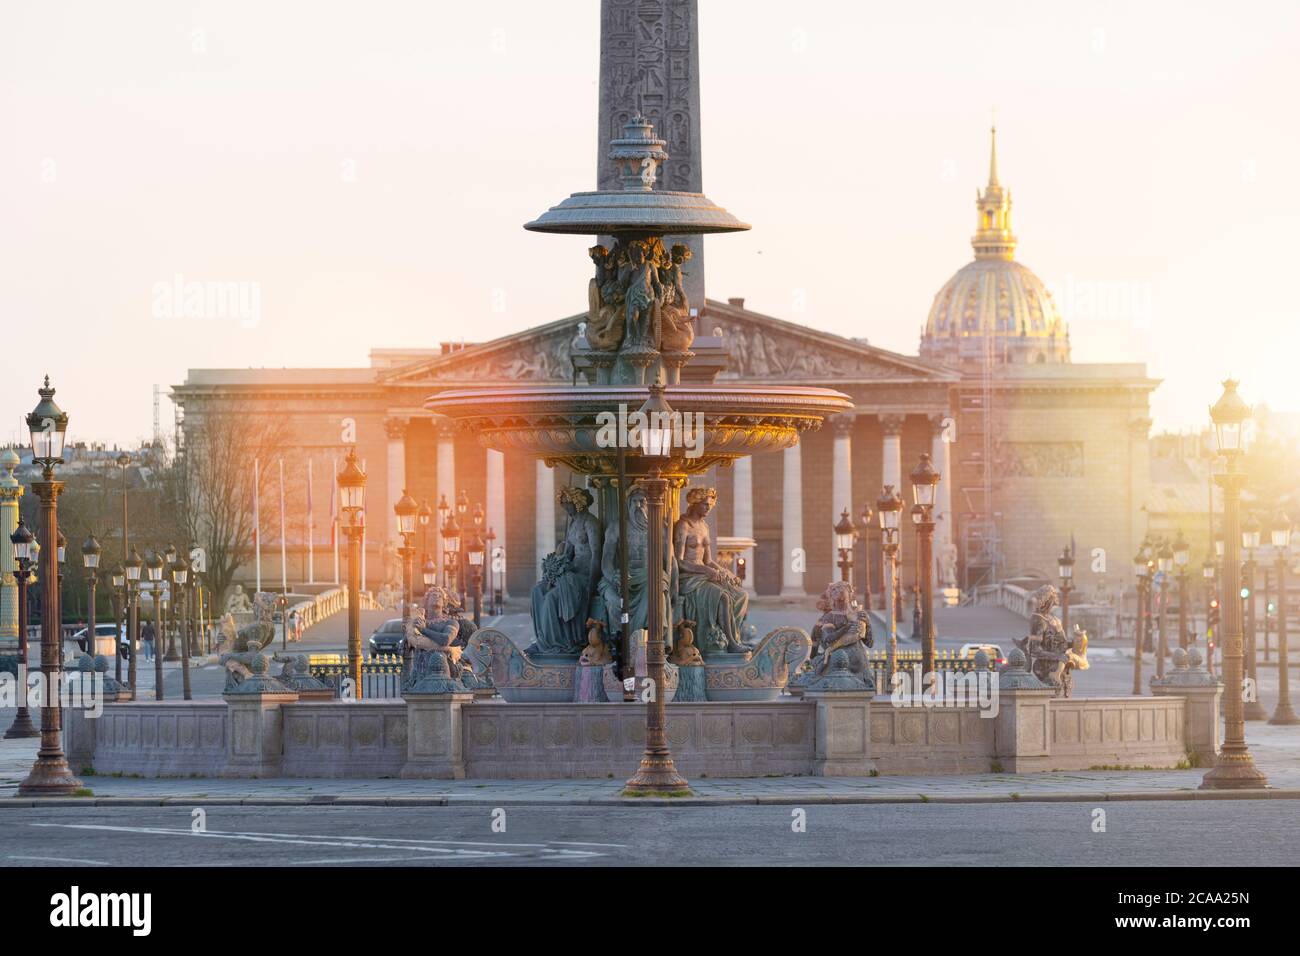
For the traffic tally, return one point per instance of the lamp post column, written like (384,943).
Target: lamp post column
(1234,768)
(1252,709)
(1182,609)
(50,775)
(657,774)
(354,604)
(22,725)
(132,630)
(1162,611)
(158,691)
(1283,713)
(1138,629)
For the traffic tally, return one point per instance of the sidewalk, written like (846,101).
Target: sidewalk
(1276,751)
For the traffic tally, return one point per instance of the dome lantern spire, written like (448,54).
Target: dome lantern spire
(993,238)
(993,156)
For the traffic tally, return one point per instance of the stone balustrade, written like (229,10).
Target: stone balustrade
(1023,729)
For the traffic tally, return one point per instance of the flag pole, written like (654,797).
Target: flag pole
(284,555)
(334,520)
(311,544)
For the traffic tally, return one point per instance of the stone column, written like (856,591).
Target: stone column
(792,522)
(10,491)
(396,430)
(841,478)
(445,478)
(891,471)
(496,507)
(742,520)
(545,509)
(940,443)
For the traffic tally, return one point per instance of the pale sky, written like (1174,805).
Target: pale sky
(366,168)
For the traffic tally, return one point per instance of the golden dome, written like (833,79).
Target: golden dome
(994,300)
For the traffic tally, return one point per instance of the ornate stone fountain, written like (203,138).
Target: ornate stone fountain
(636,348)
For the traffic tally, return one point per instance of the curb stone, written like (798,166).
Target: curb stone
(780,799)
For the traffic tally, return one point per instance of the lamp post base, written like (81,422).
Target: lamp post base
(22,726)
(1234,771)
(1283,715)
(1254,710)
(50,777)
(657,775)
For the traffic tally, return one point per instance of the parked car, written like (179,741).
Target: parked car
(388,638)
(992,650)
(103,640)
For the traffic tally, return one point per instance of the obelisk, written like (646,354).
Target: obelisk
(650,62)
(11,490)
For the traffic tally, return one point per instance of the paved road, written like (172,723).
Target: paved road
(1137,834)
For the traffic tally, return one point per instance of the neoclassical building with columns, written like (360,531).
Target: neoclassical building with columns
(1034,450)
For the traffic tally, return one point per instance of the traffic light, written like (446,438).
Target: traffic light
(1212,624)
(1245,593)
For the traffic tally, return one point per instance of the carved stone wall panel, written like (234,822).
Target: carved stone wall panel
(1042,459)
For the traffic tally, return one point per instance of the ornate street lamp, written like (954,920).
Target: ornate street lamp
(1165,564)
(1234,767)
(180,608)
(442,509)
(866,518)
(425,515)
(132,566)
(924,481)
(90,551)
(429,572)
(493,572)
(451,553)
(119,621)
(169,568)
(889,508)
(1140,576)
(1065,566)
(24,552)
(352,496)
(154,567)
(657,773)
(474,550)
(845,535)
(50,775)
(1280,537)
(407,511)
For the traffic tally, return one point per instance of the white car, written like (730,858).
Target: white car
(103,640)
(992,650)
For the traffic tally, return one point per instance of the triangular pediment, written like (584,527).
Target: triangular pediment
(759,348)
(762,347)
(540,354)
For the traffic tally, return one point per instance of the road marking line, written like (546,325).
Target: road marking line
(60,859)
(274,838)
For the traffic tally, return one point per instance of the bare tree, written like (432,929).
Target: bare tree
(214,484)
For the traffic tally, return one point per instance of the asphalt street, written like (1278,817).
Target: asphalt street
(1136,834)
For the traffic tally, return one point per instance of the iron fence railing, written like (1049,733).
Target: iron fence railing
(381,674)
